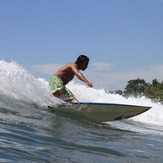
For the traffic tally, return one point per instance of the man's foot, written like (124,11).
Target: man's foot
(74,100)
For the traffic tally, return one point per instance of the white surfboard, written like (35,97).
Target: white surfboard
(101,112)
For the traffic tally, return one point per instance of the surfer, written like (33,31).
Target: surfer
(64,75)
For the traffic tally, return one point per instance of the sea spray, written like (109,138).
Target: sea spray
(17,83)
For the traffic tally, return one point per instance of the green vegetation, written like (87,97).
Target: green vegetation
(139,87)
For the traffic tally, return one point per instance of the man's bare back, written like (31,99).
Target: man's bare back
(66,73)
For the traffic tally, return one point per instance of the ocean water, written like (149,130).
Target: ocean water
(30,132)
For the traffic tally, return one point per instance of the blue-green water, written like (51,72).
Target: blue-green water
(29,132)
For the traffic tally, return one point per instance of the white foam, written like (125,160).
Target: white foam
(17,83)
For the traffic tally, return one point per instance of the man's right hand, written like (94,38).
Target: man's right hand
(89,84)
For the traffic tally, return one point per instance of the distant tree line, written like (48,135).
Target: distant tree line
(139,87)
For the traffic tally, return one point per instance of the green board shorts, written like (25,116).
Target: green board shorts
(57,84)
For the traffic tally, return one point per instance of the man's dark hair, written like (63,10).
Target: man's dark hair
(81,59)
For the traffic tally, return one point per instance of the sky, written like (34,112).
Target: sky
(122,38)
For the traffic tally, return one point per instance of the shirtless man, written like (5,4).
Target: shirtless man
(64,75)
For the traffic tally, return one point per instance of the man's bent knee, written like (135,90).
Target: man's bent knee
(57,93)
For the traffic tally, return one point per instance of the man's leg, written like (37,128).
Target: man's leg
(70,96)
(57,94)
